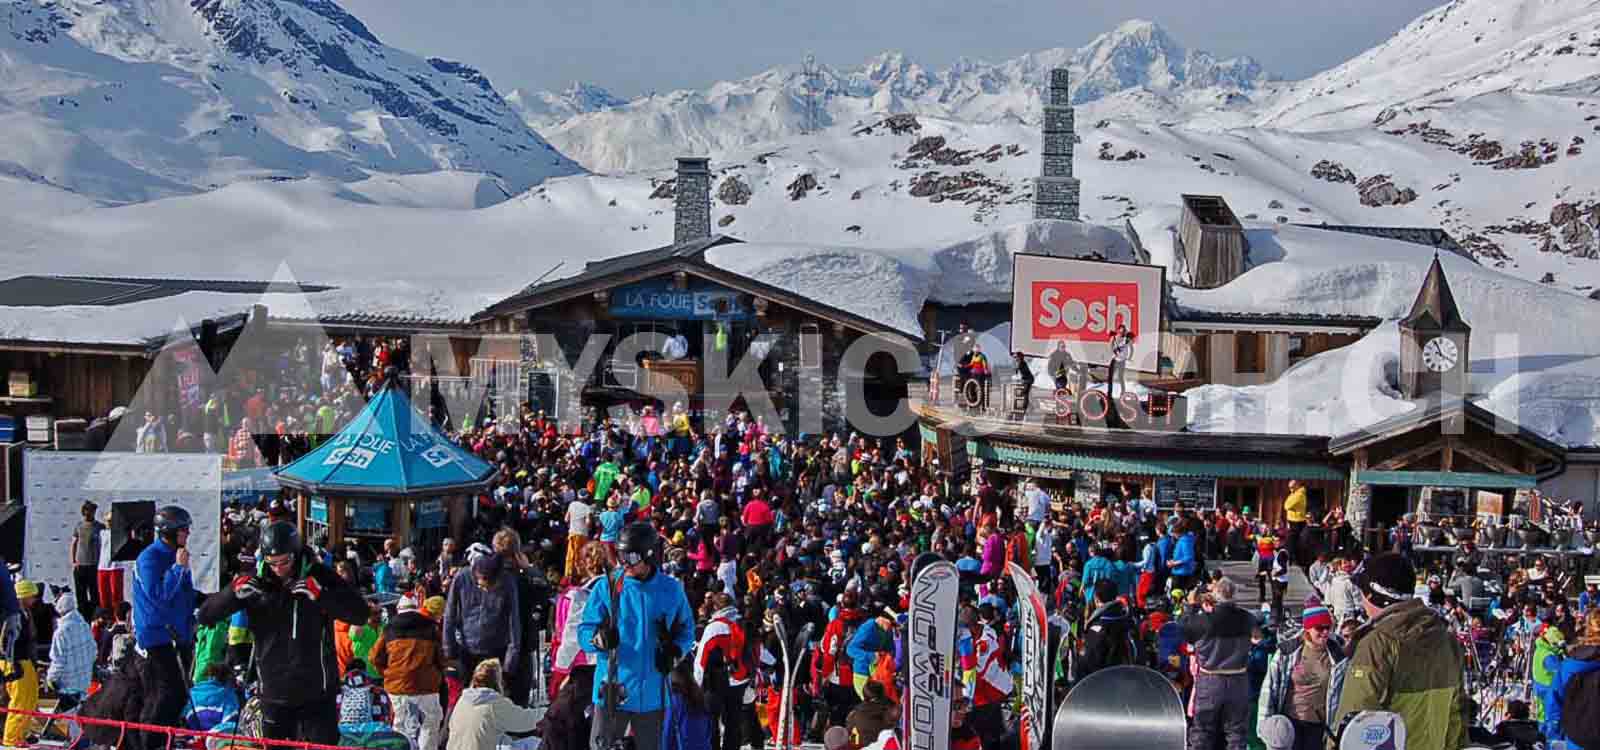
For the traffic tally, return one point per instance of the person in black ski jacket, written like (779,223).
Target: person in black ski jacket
(292,600)
(1107,634)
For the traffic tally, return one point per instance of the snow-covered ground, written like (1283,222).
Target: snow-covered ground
(130,100)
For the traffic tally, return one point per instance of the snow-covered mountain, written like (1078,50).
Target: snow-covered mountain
(546,108)
(1460,50)
(129,100)
(1138,65)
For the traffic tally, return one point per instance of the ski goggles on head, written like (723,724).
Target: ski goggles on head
(632,557)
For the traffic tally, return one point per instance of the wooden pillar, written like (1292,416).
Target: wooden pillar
(336,509)
(303,510)
(403,510)
(1447,457)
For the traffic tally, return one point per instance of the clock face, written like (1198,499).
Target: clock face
(1440,354)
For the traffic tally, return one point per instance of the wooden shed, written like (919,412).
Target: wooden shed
(1212,241)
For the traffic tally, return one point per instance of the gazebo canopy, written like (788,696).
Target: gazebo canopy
(388,450)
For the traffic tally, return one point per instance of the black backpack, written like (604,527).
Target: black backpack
(1580,710)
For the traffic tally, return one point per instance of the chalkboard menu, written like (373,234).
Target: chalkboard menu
(1193,492)
(1086,488)
(542,393)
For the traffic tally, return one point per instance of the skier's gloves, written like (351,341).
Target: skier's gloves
(11,675)
(247,588)
(605,638)
(308,588)
(667,655)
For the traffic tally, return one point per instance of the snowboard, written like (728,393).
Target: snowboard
(1036,683)
(930,647)
(1373,730)
(1118,708)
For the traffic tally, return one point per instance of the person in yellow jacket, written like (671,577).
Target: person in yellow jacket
(22,679)
(1294,508)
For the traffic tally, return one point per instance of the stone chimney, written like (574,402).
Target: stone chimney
(1055,190)
(692,201)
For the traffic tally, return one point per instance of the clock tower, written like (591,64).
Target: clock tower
(1433,341)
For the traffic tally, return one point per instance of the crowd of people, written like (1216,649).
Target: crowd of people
(665,556)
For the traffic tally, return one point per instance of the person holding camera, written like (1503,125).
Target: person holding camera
(292,600)
(641,619)
(1219,631)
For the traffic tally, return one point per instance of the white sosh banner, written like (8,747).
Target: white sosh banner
(1082,303)
(1035,658)
(56,484)
(931,642)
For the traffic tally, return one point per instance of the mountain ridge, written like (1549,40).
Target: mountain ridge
(1138,55)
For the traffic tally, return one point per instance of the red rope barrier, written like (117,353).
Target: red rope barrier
(172,733)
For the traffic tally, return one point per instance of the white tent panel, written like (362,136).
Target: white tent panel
(57,484)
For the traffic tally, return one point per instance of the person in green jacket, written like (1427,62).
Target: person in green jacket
(1405,660)
(210,647)
(364,637)
(1551,644)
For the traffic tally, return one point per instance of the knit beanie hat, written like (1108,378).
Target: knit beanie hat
(1386,579)
(1315,615)
(433,606)
(1276,732)
(408,603)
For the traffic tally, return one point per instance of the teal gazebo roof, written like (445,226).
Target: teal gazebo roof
(388,450)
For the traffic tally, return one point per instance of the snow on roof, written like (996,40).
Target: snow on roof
(892,285)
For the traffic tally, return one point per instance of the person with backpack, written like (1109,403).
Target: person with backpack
(722,670)
(641,620)
(1299,673)
(410,658)
(831,671)
(1572,706)
(1107,635)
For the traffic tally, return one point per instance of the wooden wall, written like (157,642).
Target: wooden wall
(83,385)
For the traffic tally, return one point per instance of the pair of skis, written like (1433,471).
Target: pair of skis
(784,732)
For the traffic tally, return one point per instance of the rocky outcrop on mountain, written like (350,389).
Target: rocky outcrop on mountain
(1574,230)
(733,191)
(1380,190)
(801,185)
(1109,153)
(1332,171)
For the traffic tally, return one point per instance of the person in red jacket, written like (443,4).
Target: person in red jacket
(831,676)
(722,669)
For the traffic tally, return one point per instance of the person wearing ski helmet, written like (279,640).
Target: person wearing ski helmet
(163,618)
(641,619)
(291,600)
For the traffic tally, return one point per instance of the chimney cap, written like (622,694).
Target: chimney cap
(694,164)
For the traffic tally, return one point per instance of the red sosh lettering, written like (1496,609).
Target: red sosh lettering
(1084,310)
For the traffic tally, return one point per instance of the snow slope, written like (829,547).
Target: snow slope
(1450,54)
(129,100)
(1138,58)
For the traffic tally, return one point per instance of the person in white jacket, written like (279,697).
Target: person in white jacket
(1344,598)
(484,715)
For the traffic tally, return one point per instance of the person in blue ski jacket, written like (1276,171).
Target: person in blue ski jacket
(872,637)
(163,621)
(1183,564)
(1099,568)
(650,627)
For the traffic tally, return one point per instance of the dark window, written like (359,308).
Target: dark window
(1247,355)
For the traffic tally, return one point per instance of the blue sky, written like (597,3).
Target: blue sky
(633,47)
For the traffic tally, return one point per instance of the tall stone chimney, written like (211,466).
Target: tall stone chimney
(1055,190)
(692,200)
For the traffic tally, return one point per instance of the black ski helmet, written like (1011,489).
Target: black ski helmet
(639,544)
(171,519)
(280,538)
